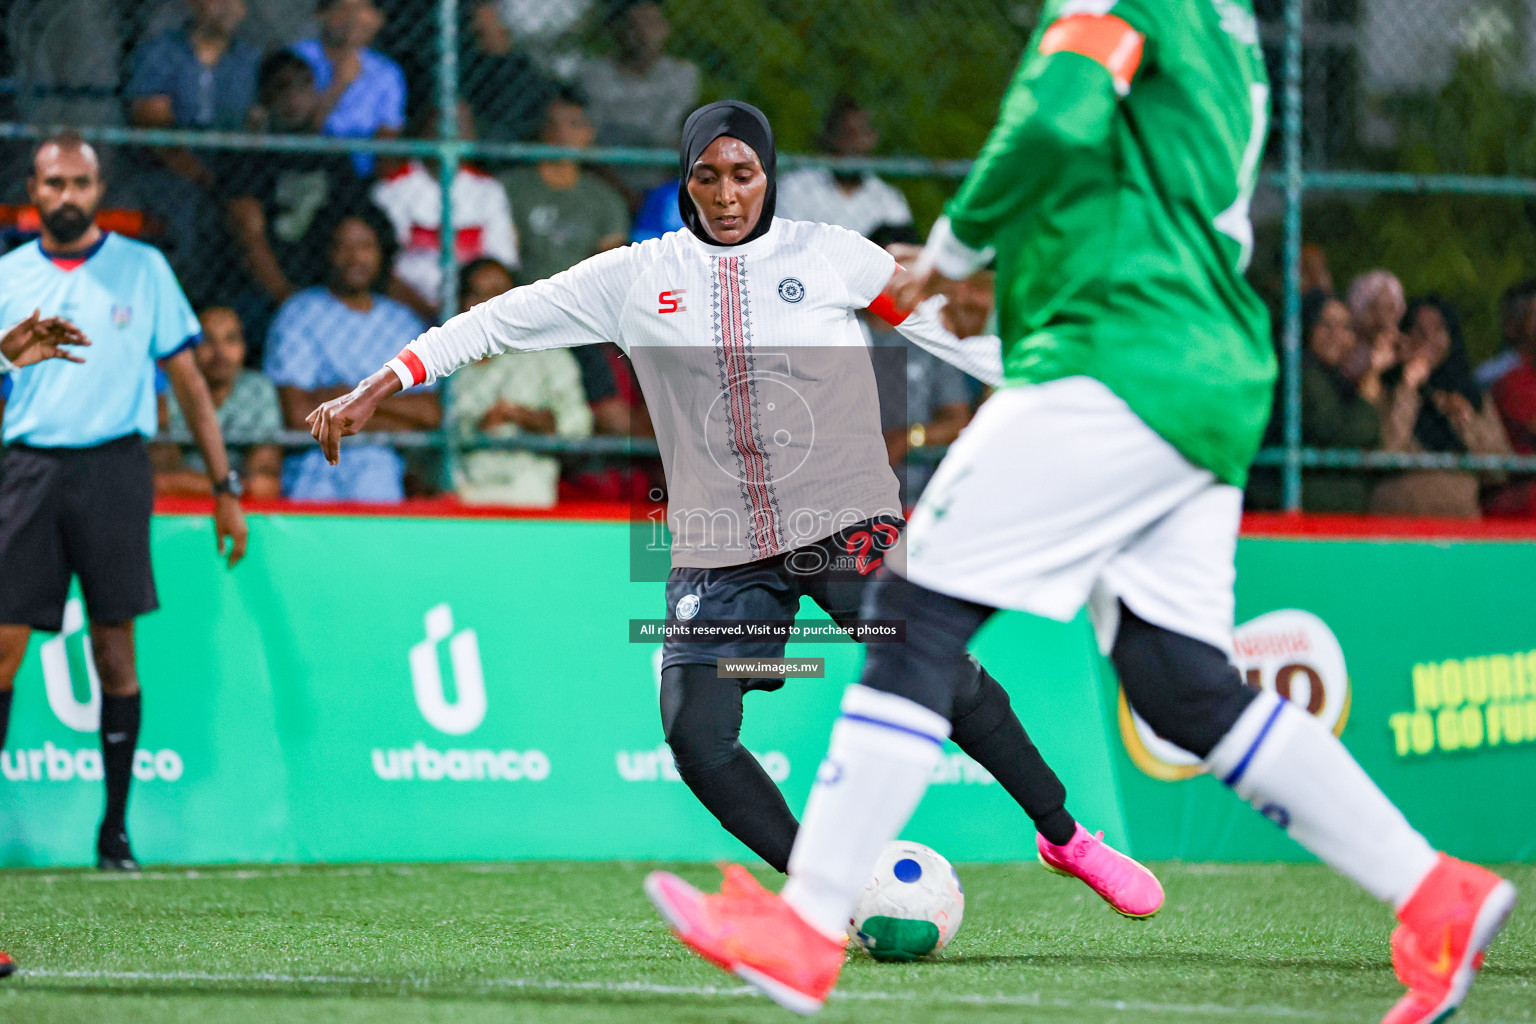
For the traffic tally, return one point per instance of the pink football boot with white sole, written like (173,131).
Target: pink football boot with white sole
(1124,884)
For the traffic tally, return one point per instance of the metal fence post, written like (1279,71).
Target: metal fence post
(448,169)
(1291,338)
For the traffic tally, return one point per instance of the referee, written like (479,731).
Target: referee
(75,485)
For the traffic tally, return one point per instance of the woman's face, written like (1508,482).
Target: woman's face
(1428,336)
(1333,336)
(728,185)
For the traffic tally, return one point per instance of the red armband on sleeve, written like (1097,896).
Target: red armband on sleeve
(886,309)
(1102,38)
(409,368)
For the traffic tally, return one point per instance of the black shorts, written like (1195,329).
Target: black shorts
(82,512)
(835,573)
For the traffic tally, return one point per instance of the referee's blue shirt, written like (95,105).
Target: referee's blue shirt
(126,300)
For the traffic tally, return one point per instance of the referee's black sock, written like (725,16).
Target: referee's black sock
(984,726)
(119,738)
(5,713)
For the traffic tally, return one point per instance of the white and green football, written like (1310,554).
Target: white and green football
(911,907)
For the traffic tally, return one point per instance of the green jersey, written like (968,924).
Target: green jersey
(1115,190)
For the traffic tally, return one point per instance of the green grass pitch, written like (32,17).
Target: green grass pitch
(559,942)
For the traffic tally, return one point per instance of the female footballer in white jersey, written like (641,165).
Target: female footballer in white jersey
(743,335)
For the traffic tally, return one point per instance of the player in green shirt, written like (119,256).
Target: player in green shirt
(1114,195)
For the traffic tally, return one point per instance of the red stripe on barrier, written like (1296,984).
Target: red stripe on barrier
(420,508)
(1351,527)
(1277,525)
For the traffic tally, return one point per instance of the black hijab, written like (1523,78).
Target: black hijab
(740,121)
(1433,429)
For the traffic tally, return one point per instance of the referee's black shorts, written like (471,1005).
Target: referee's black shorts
(82,512)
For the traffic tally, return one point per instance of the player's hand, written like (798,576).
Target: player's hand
(35,339)
(911,288)
(347,415)
(229,526)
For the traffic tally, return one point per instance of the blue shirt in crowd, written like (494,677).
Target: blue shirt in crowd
(658,213)
(375,100)
(125,299)
(215,97)
(316,341)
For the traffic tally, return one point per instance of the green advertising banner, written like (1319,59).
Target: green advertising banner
(428,689)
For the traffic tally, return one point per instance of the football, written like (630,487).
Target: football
(911,907)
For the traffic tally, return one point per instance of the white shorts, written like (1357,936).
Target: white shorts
(1058,495)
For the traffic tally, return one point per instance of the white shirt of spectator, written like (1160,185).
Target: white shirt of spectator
(482,218)
(682,310)
(813,194)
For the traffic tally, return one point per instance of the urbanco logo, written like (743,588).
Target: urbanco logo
(1289,652)
(467,711)
(463,716)
(51,763)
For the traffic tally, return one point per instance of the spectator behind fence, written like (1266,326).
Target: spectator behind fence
(1434,405)
(1334,414)
(362,92)
(273,199)
(199,77)
(658,213)
(324,340)
(1517,322)
(412,197)
(1515,391)
(1377,305)
(640,95)
(856,200)
(504,88)
(196,76)
(563,214)
(924,401)
(268,24)
(67,55)
(248,411)
(511,394)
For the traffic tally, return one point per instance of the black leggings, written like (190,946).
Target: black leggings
(702,715)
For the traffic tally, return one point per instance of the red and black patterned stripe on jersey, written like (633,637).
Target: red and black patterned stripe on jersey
(732,326)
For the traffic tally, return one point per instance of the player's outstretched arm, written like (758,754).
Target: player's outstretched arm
(1058,112)
(36,339)
(342,417)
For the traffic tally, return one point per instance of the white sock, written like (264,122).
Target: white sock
(883,749)
(1297,773)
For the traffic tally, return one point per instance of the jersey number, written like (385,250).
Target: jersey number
(1236,221)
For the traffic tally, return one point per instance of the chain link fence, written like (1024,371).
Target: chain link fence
(293,161)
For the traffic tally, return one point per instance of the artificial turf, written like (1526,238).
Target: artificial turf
(565,942)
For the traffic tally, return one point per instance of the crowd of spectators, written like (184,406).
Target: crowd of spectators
(1381,371)
(311,268)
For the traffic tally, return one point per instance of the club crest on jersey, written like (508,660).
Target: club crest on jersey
(791,290)
(121,315)
(687,606)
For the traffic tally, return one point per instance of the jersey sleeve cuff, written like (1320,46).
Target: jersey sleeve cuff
(952,257)
(404,375)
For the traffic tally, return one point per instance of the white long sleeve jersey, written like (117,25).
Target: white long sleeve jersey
(753,368)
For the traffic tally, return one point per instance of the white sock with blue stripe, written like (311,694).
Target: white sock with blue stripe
(883,750)
(1296,773)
